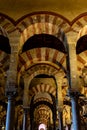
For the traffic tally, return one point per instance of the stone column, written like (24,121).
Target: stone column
(10,113)
(11,84)
(59,78)
(16,119)
(26,101)
(25,119)
(75,110)
(10,93)
(73,84)
(72,68)
(60,114)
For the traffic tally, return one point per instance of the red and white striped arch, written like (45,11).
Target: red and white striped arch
(34,56)
(82,32)
(41,23)
(42,88)
(82,60)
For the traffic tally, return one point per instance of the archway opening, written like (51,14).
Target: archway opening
(42,127)
(81,44)
(43,40)
(4,44)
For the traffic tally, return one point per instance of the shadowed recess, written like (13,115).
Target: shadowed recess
(4,44)
(81,44)
(43,40)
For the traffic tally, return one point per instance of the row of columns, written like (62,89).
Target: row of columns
(11,93)
(73,95)
(73,89)
(10,118)
(11,114)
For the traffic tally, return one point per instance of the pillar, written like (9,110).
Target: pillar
(72,68)
(59,78)
(60,114)
(75,110)
(26,101)
(16,119)
(11,83)
(10,113)
(74,85)
(25,119)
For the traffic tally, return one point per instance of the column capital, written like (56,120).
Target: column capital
(73,93)
(10,91)
(26,108)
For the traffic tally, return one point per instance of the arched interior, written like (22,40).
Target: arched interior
(81,44)
(38,68)
(43,40)
(4,44)
(42,127)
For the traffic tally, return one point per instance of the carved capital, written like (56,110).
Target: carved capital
(26,109)
(10,93)
(10,90)
(73,93)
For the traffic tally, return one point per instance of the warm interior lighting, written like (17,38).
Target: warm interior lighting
(42,127)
